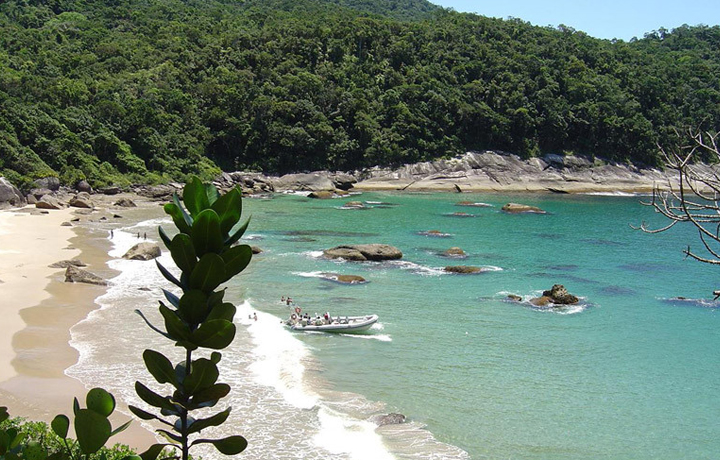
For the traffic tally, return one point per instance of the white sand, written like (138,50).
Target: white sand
(28,244)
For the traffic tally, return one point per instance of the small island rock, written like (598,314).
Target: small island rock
(516,208)
(454,252)
(143,251)
(464,269)
(557,295)
(364,252)
(344,279)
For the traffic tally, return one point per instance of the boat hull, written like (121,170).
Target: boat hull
(346,324)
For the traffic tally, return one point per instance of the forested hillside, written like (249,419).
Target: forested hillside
(149,90)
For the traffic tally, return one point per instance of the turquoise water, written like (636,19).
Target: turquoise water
(629,373)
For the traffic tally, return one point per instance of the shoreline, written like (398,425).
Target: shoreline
(36,352)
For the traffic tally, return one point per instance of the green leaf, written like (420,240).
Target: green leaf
(132,457)
(34,451)
(193,306)
(176,328)
(160,367)
(92,430)
(224,311)
(170,436)
(60,425)
(4,415)
(206,236)
(209,396)
(229,209)
(216,297)
(153,398)
(168,276)
(216,420)
(172,298)
(235,237)
(216,356)
(163,333)
(4,442)
(212,193)
(100,401)
(236,259)
(121,428)
(231,445)
(215,334)
(183,252)
(153,452)
(208,273)
(195,196)
(164,237)
(203,374)
(178,217)
(141,414)
(76,406)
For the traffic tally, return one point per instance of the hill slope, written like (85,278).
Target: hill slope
(148,90)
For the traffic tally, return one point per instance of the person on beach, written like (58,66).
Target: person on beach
(255,316)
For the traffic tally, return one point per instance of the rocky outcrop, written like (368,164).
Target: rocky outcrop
(514,298)
(49,202)
(343,181)
(557,295)
(112,190)
(9,194)
(68,263)
(81,200)
(74,274)
(344,279)
(354,205)
(322,195)
(517,208)
(303,182)
(125,203)
(143,251)
(389,419)
(364,252)
(464,269)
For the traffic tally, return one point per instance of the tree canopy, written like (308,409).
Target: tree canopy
(121,91)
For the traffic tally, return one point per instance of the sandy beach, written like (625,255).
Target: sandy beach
(39,309)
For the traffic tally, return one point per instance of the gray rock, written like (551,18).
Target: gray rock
(31,199)
(78,275)
(40,192)
(83,186)
(9,194)
(68,263)
(50,183)
(143,251)
(464,269)
(125,203)
(66,224)
(110,190)
(256,249)
(390,419)
(343,181)
(49,202)
(364,252)
(303,182)
(81,200)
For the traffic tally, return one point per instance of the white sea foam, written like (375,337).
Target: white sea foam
(355,438)
(313,254)
(615,193)
(310,274)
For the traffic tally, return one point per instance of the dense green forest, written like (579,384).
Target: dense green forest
(121,91)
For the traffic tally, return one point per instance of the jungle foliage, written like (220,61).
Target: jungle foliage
(151,90)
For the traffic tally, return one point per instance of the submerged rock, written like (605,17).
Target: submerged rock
(364,252)
(344,279)
(389,419)
(464,269)
(454,252)
(516,208)
(256,249)
(514,298)
(78,275)
(435,234)
(143,251)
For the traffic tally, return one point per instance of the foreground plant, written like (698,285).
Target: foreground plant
(204,250)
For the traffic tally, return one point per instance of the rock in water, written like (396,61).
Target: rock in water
(143,251)
(390,419)
(560,295)
(464,269)
(455,252)
(516,208)
(78,275)
(68,263)
(364,252)
(344,279)
(256,249)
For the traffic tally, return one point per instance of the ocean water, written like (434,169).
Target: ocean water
(631,372)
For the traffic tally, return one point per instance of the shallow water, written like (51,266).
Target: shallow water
(628,373)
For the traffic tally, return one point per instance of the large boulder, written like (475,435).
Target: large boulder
(81,200)
(9,194)
(78,275)
(343,181)
(50,183)
(305,182)
(68,263)
(143,251)
(49,202)
(516,208)
(83,186)
(364,252)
